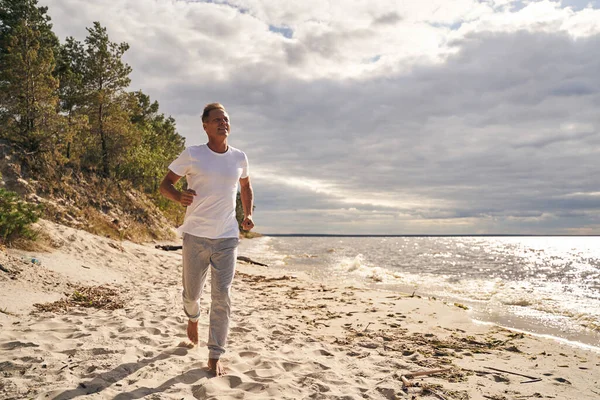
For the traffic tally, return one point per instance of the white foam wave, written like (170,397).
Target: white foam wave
(358,267)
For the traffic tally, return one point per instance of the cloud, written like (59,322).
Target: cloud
(390,18)
(385,117)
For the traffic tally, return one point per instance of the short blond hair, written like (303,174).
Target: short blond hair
(209,108)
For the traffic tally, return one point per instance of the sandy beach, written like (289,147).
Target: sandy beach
(291,337)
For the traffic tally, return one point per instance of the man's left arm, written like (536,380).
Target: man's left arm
(247,196)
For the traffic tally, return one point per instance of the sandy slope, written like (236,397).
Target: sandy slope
(291,337)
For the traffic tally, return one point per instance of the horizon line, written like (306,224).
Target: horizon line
(426,235)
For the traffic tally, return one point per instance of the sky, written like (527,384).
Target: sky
(382,117)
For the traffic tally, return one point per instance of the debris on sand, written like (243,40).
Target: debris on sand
(100,297)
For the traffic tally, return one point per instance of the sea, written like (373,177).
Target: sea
(544,285)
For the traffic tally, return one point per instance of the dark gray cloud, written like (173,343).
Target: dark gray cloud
(486,131)
(327,45)
(390,18)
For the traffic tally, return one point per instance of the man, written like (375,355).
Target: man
(210,229)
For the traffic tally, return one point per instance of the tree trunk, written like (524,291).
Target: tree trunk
(105,166)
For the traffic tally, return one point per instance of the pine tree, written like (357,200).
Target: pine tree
(105,76)
(28,97)
(70,71)
(13,12)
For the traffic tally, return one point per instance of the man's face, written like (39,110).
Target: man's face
(217,124)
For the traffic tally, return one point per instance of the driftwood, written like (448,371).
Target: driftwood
(168,247)
(251,261)
(407,383)
(532,378)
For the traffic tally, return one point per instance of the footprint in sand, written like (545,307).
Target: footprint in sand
(239,329)
(322,352)
(253,359)
(29,359)
(266,364)
(290,366)
(153,331)
(9,368)
(314,385)
(147,341)
(17,345)
(98,351)
(245,314)
(235,382)
(262,375)
(199,392)
(248,354)
(78,335)
(320,366)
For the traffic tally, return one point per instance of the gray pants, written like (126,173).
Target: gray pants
(220,254)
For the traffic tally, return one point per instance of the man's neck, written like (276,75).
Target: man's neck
(218,146)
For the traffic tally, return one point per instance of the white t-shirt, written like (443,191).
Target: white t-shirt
(214,177)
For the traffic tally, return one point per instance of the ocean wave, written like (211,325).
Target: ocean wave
(357,266)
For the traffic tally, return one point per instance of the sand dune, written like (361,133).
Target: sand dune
(291,337)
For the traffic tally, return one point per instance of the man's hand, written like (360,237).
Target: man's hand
(247,224)
(186,197)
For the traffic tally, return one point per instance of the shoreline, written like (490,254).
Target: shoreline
(572,343)
(291,337)
(510,316)
(523,324)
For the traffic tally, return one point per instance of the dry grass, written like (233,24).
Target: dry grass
(105,208)
(100,297)
(99,225)
(40,241)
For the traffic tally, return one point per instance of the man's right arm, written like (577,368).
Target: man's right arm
(167,189)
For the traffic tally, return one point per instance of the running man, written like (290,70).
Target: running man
(210,229)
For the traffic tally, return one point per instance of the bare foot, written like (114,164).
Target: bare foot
(192,331)
(215,367)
